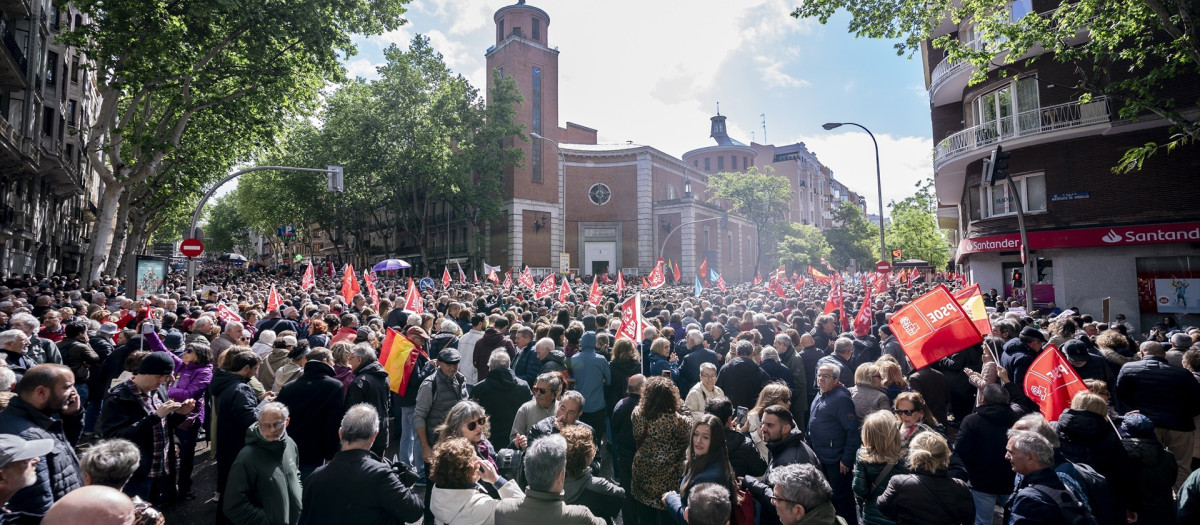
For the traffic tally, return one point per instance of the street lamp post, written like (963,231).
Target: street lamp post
(562,192)
(878,181)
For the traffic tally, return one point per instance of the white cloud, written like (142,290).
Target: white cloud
(903,162)
(402,36)
(774,76)
(361,67)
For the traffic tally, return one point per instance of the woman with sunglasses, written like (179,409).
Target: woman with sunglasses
(928,495)
(469,420)
(914,415)
(192,382)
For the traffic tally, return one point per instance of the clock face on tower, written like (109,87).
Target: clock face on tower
(599,194)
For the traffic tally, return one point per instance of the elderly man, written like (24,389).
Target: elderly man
(741,378)
(137,410)
(501,394)
(18,469)
(708,504)
(843,348)
(41,350)
(264,483)
(1036,498)
(1169,396)
(527,366)
(570,407)
(231,337)
(689,367)
(370,385)
(1180,343)
(318,400)
(439,392)
(200,331)
(44,396)
(14,346)
(356,487)
(833,431)
(94,505)
(801,495)
(545,471)
(546,391)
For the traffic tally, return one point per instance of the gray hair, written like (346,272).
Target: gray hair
(460,414)
(234,327)
(9,336)
(360,423)
(202,323)
(770,353)
(110,462)
(544,461)
(707,366)
(1033,444)
(1181,340)
(745,347)
(499,359)
(266,337)
(1038,424)
(843,345)
(24,319)
(694,336)
(573,395)
(783,339)
(273,406)
(365,352)
(449,326)
(553,379)
(803,484)
(8,378)
(650,332)
(544,342)
(833,369)
(760,319)
(709,504)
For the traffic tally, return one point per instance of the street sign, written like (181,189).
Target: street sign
(883,267)
(191,247)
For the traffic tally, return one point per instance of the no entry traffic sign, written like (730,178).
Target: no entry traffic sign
(191,247)
(883,267)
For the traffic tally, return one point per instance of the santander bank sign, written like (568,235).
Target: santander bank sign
(1086,237)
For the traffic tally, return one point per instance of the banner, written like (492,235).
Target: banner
(508,283)
(620,283)
(372,291)
(1051,382)
(720,283)
(273,300)
(227,314)
(308,281)
(971,300)
(565,292)
(657,278)
(412,302)
(594,296)
(631,318)
(546,288)
(462,277)
(862,321)
(757,278)
(1177,295)
(703,269)
(526,279)
(933,326)
(350,285)
(446,277)
(697,288)
(834,302)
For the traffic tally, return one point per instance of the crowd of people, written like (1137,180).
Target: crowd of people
(739,406)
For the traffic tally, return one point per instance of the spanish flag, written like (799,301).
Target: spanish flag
(971,300)
(398,356)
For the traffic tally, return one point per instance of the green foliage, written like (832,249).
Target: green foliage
(799,246)
(759,196)
(226,229)
(1137,52)
(914,228)
(852,237)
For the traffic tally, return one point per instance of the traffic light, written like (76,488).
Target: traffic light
(997,167)
(334,176)
(1018,279)
(1040,265)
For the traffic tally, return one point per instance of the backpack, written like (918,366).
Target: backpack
(1072,510)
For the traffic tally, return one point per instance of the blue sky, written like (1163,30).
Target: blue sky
(653,72)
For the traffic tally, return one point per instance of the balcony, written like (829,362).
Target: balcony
(15,8)
(950,77)
(1071,117)
(13,65)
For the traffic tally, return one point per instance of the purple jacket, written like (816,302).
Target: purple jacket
(193,381)
(344,374)
(155,344)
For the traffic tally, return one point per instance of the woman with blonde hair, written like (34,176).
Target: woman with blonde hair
(927,495)
(660,359)
(868,393)
(893,376)
(775,393)
(879,459)
(915,417)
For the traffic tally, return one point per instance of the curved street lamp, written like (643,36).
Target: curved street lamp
(878,181)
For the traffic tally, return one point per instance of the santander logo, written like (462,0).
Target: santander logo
(1111,237)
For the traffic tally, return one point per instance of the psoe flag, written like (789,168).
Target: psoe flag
(933,326)
(398,356)
(1051,382)
(971,300)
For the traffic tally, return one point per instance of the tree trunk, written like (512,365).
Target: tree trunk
(136,235)
(758,250)
(103,233)
(120,233)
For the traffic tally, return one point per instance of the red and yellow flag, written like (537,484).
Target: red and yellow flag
(398,356)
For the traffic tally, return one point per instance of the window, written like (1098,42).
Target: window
(71,104)
(1000,114)
(500,30)
(51,69)
(78,21)
(1020,8)
(600,194)
(720,163)
(695,163)
(75,70)
(464,239)
(707,166)
(537,124)
(537,29)
(671,193)
(996,201)
(733,163)
(745,162)
(48,122)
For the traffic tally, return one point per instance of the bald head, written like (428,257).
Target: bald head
(93,504)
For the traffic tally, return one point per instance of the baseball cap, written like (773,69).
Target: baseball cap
(14,448)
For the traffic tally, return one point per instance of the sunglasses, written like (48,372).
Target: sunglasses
(477,423)
(189,351)
(907,412)
(540,391)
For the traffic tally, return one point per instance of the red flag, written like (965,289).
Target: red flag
(546,288)
(620,284)
(565,292)
(371,290)
(350,285)
(971,300)
(912,276)
(631,318)
(880,284)
(704,270)
(799,284)
(657,278)
(862,321)
(594,295)
(933,326)
(526,279)
(1051,382)
(779,290)
(398,356)
(308,281)
(720,282)
(834,301)
(227,314)
(446,277)
(508,283)
(273,300)
(757,278)
(817,275)
(675,271)
(491,276)
(413,303)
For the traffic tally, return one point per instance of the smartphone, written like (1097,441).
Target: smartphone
(740,414)
(666,374)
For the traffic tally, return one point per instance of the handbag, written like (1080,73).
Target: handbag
(743,509)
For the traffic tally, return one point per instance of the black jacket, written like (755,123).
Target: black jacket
(601,496)
(103,345)
(500,394)
(316,403)
(981,444)
(233,404)
(370,386)
(791,450)
(923,498)
(622,426)
(741,380)
(621,370)
(1151,477)
(124,416)
(743,455)
(57,472)
(1165,394)
(1086,437)
(689,368)
(355,487)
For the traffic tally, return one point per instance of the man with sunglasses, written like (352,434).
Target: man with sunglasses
(543,405)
